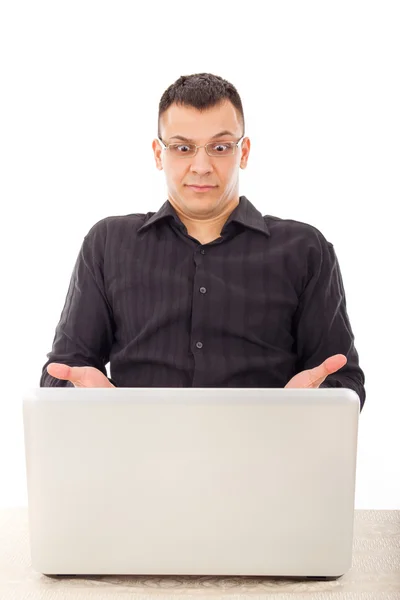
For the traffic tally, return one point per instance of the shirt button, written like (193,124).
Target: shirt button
(203,290)
(202,251)
(199,344)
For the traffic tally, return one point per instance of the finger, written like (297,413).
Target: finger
(330,365)
(65,372)
(58,370)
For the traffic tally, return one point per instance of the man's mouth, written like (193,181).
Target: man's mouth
(201,188)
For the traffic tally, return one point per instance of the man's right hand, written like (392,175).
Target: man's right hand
(86,377)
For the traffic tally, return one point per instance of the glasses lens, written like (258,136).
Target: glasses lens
(182,150)
(221,148)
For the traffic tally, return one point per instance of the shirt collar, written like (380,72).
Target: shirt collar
(245,213)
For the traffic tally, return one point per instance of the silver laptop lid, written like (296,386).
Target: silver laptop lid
(191,480)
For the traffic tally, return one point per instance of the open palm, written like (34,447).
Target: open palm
(312,378)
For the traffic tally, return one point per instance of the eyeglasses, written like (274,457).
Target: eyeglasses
(186,150)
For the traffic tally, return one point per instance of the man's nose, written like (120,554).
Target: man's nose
(201,162)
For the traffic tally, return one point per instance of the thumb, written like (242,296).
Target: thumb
(62,371)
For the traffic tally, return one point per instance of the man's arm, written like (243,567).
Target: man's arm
(321,323)
(85,332)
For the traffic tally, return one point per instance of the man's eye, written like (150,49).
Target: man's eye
(183,148)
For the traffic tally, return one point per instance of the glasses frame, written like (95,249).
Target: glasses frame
(205,146)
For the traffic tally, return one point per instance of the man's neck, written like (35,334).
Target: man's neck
(205,231)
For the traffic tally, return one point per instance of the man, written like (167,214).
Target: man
(206,292)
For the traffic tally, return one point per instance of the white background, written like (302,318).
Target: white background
(80,86)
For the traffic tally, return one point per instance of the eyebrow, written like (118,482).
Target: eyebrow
(217,135)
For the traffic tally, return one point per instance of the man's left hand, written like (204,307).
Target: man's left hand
(312,378)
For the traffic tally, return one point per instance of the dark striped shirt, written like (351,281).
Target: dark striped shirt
(252,308)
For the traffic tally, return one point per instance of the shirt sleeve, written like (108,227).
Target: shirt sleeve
(85,332)
(321,322)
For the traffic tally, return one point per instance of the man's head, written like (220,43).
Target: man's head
(201,109)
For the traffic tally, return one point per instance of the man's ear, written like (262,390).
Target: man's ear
(157,154)
(245,150)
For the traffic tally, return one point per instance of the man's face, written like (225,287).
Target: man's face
(221,172)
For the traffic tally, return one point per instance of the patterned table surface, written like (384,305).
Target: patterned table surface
(375,574)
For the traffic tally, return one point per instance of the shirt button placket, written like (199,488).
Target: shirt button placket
(203,290)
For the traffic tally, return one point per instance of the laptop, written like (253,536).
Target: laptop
(191,481)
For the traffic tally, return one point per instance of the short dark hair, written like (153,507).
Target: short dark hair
(202,91)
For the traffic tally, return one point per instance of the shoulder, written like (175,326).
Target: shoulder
(298,232)
(304,245)
(115,229)
(118,224)
(108,235)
